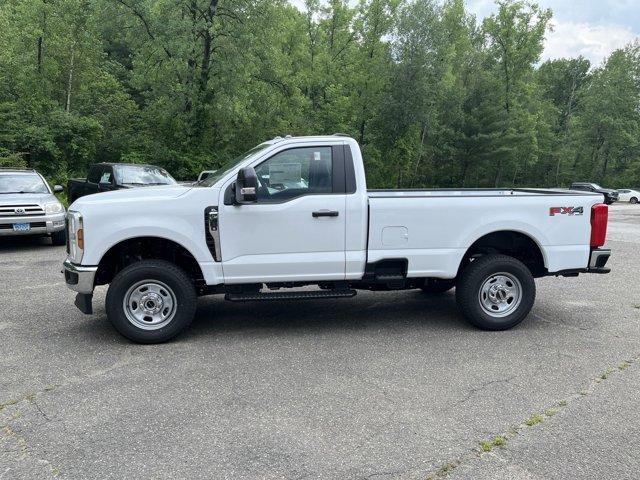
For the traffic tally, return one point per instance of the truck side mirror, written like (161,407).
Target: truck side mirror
(246,186)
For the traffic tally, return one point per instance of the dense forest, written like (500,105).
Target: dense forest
(435,96)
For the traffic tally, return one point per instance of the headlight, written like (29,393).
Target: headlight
(55,207)
(75,234)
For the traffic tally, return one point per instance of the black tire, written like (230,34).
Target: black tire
(59,238)
(438,285)
(481,273)
(633,200)
(179,286)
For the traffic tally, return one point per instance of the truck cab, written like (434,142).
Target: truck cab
(292,219)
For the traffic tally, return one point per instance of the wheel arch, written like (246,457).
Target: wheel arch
(131,250)
(512,242)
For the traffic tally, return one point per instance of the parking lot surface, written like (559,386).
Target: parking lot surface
(386,385)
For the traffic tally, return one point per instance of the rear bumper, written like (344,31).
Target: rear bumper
(598,259)
(40,225)
(79,278)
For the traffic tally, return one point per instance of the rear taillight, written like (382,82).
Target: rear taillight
(599,218)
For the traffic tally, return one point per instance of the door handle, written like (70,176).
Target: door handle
(325,213)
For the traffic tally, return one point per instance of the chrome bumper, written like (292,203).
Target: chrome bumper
(79,278)
(44,224)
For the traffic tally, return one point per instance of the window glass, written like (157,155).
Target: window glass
(22,183)
(295,172)
(144,175)
(106,177)
(94,174)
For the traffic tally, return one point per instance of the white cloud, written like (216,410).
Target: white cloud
(595,42)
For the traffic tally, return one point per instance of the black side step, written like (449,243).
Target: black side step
(300,295)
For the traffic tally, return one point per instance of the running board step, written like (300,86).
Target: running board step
(300,295)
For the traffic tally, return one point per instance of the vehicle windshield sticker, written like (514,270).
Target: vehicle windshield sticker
(317,156)
(284,173)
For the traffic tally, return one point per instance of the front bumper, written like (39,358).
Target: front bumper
(39,224)
(78,277)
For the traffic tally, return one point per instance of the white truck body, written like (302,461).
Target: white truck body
(292,241)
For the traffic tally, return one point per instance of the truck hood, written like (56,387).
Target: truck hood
(160,192)
(25,198)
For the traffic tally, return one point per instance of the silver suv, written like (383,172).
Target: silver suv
(28,206)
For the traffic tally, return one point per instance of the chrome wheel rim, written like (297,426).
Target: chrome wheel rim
(149,304)
(500,294)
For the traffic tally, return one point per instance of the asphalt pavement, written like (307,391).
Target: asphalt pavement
(383,386)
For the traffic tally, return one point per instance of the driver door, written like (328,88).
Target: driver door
(296,229)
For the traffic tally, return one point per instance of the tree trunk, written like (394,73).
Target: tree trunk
(67,106)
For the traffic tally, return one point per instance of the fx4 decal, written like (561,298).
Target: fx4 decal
(553,211)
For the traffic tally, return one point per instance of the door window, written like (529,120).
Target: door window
(94,174)
(295,172)
(106,177)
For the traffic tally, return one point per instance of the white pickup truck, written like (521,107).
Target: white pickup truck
(295,212)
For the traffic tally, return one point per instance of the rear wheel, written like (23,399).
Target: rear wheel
(633,200)
(438,285)
(58,238)
(496,292)
(151,301)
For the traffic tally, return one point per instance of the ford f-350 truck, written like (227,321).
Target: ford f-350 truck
(295,212)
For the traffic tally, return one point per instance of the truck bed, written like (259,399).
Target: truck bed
(434,228)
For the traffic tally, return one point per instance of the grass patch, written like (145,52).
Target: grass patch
(486,445)
(499,441)
(562,403)
(624,365)
(446,469)
(533,420)
(550,412)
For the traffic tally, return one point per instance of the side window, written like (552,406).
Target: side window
(94,174)
(295,172)
(106,176)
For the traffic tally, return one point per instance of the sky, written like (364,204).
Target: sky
(591,28)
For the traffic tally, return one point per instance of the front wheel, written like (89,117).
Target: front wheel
(151,301)
(633,200)
(496,292)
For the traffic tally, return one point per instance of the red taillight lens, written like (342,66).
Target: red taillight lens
(599,219)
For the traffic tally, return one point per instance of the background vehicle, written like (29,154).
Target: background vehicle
(628,195)
(233,234)
(610,195)
(205,174)
(104,177)
(28,206)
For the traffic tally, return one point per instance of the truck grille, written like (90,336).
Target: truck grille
(22,210)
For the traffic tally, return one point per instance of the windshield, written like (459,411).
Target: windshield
(144,175)
(595,185)
(230,165)
(22,183)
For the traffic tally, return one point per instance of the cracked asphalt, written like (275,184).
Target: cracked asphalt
(383,386)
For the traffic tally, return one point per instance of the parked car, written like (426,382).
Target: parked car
(628,195)
(104,177)
(28,206)
(231,234)
(610,195)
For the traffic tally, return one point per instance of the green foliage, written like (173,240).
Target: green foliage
(435,98)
